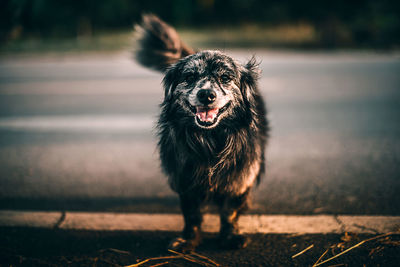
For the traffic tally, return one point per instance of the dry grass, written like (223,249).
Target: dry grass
(383,239)
(287,35)
(347,238)
(252,36)
(304,250)
(193,257)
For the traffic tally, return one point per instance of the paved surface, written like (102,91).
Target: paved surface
(266,224)
(77,133)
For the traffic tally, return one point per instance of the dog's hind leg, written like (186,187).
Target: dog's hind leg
(230,210)
(190,205)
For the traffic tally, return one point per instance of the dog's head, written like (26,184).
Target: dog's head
(210,87)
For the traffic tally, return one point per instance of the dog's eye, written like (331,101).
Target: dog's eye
(225,78)
(190,78)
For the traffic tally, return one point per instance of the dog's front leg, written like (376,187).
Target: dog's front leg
(190,206)
(230,210)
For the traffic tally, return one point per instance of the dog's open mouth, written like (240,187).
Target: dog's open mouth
(207,117)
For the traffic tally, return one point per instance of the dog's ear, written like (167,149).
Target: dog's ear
(248,79)
(171,79)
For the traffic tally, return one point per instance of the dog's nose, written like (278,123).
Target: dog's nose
(206,96)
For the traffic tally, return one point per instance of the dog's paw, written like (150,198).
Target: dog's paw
(182,245)
(234,241)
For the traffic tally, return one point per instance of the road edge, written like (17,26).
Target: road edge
(267,224)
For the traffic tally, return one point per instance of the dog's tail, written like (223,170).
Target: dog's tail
(159,45)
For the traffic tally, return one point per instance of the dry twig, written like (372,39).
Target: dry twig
(193,257)
(118,251)
(204,257)
(320,258)
(194,260)
(153,259)
(304,250)
(159,264)
(353,247)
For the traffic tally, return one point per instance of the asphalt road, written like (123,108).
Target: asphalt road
(77,132)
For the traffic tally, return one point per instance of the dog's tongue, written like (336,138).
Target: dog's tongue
(205,114)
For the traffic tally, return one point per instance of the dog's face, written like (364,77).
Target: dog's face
(209,86)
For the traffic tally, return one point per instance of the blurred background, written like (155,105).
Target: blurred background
(106,24)
(78,114)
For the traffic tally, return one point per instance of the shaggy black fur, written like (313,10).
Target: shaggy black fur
(212,161)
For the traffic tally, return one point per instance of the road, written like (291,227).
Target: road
(78,132)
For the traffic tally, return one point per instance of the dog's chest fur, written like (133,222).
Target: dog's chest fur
(215,161)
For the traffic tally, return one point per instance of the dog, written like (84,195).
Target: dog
(212,130)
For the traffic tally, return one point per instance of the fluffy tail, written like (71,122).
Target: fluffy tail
(159,44)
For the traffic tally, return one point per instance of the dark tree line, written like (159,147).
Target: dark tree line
(373,22)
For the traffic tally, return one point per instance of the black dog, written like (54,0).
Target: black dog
(212,129)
